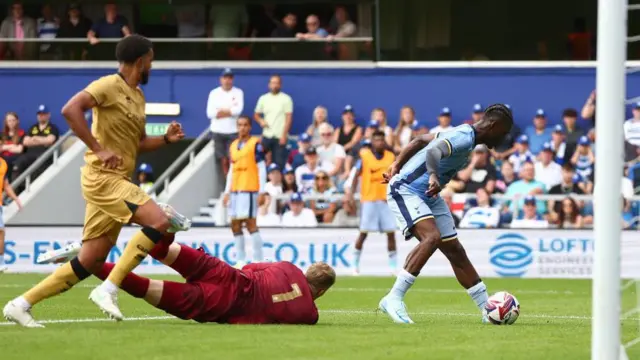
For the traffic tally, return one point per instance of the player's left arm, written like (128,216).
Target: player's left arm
(151,143)
(441,149)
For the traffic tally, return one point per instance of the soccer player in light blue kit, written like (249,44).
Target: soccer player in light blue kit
(415,179)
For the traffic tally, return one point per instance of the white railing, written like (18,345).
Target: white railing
(249,40)
(467,196)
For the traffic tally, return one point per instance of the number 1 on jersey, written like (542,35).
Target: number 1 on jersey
(288,296)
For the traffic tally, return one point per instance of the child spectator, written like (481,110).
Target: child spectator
(145,177)
(444,121)
(320,116)
(529,217)
(298,215)
(11,141)
(522,153)
(269,210)
(296,156)
(583,158)
(548,171)
(538,134)
(483,214)
(558,145)
(507,176)
(324,210)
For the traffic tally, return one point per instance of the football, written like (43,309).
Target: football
(502,308)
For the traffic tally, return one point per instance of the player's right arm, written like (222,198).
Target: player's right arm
(407,153)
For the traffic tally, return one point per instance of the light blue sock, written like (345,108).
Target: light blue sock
(393,259)
(257,247)
(241,255)
(478,293)
(356,258)
(403,284)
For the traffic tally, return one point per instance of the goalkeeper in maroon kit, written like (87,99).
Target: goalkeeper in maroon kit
(261,293)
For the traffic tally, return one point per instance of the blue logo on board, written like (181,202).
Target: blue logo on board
(511,255)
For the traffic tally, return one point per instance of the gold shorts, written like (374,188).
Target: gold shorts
(110,199)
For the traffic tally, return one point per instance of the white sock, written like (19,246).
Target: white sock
(356,258)
(402,284)
(478,293)
(1,259)
(22,303)
(241,255)
(109,287)
(257,247)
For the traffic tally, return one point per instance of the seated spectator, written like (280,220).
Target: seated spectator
(527,185)
(447,196)
(444,121)
(569,184)
(11,141)
(38,139)
(480,173)
(483,215)
(330,152)
(522,153)
(506,147)
(572,132)
(406,129)
(627,184)
(583,158)
(341,25)
(529,217)
(269,210)
(314,31)
(507,176)
(306,173)
(569,215)
(538,134)
(298,215)
(145,177)
(632,127)
(112,25)
(288,27)
(320,117)
(349,134)
(17,26)
(289,185)
(558,145)
(380,116)
(296,156)
(75,25)
(324,210)
(548,171)
(476,114)
(629,220)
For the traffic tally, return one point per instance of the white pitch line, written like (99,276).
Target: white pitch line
(91,320)
(632,342)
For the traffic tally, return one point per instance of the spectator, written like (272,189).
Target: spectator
(228,20)
(406,128)
(572,131)
(570,184)
(569,215)
(75,25)
(288,27)
(269,210)
(538,134)
(112,25)
(12,136)
(632,127)
(48,26)
(324,210)
(298,216)
(224,106)
(589,109)
(320,116)
(476,114)
(380,116)
(483,215)
(507,177)
(626,188)
(629,220)
(580,42)
(343,27)
(444,121)
(39,138)
(447,196)
(529,217)
(296,156)
(289,185)
(330,152)
(479,174)
(145,177)
(583,158)
(306,173)
(349,134)
(527,185)
(548,171)
(314,31)
(558,145)
(274,112)
(17,26)
(506,147)
(522,153)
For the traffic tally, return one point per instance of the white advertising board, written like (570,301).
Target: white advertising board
(495,253)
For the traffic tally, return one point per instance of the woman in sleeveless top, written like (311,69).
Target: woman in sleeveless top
(569,216)
(320,116)
(349,134)
(380,116)
(406,129)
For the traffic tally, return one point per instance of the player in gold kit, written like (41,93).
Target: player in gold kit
(116,137)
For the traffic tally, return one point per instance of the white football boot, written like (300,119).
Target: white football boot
(178,221)
(20,316)
(396,309)
(61,255)
(107,302)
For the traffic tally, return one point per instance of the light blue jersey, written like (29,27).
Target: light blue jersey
(461,141)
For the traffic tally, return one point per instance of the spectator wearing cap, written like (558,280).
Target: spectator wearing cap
(632,127)
(477,111)
(558,145)
(538,134)
(298,215)
(331,152)
(483,214)
(527,185)
(548,171)
(583,158)
(75,25)
(408,127)
(38,139)
(320,116)
(380,116)
(289,184)
(529,217)
(479,174)
(296,156)
(444,121)
(572,131)
(507,146)
(224,106)
(522,153)
(145,177)
(348,135)
(305,173)
(269,210)
(274,113)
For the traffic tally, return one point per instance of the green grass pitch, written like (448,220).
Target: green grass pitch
(554,324)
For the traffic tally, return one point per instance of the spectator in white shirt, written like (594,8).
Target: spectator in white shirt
(548,171)
(269,210)
(380,116)
(632,127)
(329,151)
(522,153)
(444,121)
(224,106)
(320,117)
(306,173)
(406,129)
(558,145)
(529,217)
(483,215)
(298,215)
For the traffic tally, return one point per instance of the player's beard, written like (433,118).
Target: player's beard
(144,77)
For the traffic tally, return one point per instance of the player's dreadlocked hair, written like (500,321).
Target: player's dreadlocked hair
(131,48)
(499,112)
